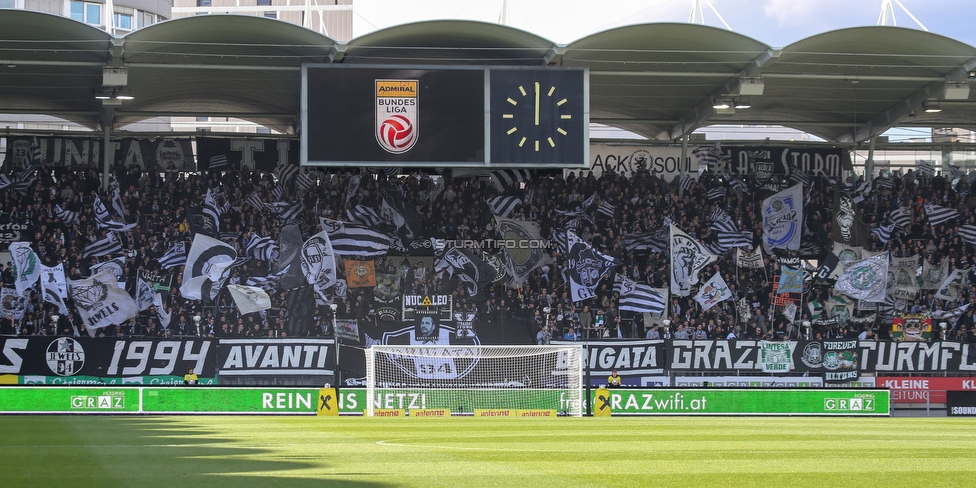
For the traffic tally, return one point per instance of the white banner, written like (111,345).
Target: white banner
(782,215)
(627,161)
(688,257)
(27,268)
(101,302)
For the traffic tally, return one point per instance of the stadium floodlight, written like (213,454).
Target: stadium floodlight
(463,379)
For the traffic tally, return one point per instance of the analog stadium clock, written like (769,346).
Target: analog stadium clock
(538,117)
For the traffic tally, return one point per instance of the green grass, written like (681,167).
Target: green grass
(189,451)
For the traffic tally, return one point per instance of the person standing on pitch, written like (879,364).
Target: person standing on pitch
(190,378)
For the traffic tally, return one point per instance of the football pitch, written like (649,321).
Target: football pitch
(216,451)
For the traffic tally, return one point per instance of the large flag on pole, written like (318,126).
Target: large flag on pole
(713,291)
(101,302)
(638,297)
(688,257)
(585,267)
(27,268)
(525,253)
(782,219)
(249,298)
(319,263)
(865,279)
(848,226)
(207,267)
(54,287)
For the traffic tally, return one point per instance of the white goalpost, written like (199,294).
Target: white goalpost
(462,379)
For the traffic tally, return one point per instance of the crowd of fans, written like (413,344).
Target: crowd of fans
(161,201)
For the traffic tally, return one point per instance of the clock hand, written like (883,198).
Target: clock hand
(537,103)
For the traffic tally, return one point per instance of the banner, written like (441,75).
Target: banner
(767,163)
(100,302)
(775,357)
(162,154)
(276,357)
(840,361)
(107,357)
(782,219)
(865,279)
(764,401)
(585,267)
(245,154)
(359,274)
(915,389)
(526,253)
(639,363)
(249,299)
(347,329)
(911,327)
(749,259)
(628,161)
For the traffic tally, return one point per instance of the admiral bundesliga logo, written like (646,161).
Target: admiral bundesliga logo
(397,115)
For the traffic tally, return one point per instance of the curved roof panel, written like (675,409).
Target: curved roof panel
(657,80)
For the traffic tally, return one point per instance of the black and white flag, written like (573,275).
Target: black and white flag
(509,178)
(654,241)
(207,267)
(902,217)
(721,221)
(938,214)
(749,259)
(364,215)
(728,240)
(261,247)
(925,168)
(67,216)
(355,240)
(211,210)
(716,193)
(465,265)
(319,263)
(585,267)
(105,246)
(638,297)
(54,287)
(688,258)
(968,233)
(249,298)
(100,302)
(526,253)
(504,205)
(883,232)
(176,256)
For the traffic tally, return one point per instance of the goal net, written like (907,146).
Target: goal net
(463,379)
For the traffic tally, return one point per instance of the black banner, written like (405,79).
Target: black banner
(961,403)
(245,154)
(765,163)
(278,357)
(635,361)
(103,357)
(162,154)
(840,361)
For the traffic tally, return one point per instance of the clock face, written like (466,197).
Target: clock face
(537,117)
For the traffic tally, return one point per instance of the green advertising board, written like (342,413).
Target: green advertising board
(707,401)
(352,401)
(20,399)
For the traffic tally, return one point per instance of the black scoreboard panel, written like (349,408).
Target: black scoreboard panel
(444,116)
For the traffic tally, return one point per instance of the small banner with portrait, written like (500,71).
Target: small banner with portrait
(911,327)
(840,360)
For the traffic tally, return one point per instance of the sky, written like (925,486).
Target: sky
(777,23)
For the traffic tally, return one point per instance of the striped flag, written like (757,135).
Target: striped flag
(261,247)
(176,256)
(277,192)
(716,193)
(637,297)
(709,156)
(606,208)
(35,148)
(5,181)
(956,171)
(739,186)
(509,178)
(362,214)
(284,172)
(104,219)
(355,240)
(716,248)
(884,183)
(797,176)
(938,214)
(721,221)
(67,216)
(218,161)
(902,217)
(685,181)
(926,168)
(503,206)
(105,246)
(390,171)
(653,242)
(23,180)
(304,182)
(729,240)
(255,201)
(883,232)
(117,204)
(211,210)
(968,233)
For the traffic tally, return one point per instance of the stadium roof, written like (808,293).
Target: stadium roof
(656,80)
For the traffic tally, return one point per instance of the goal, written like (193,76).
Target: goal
(462,379)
